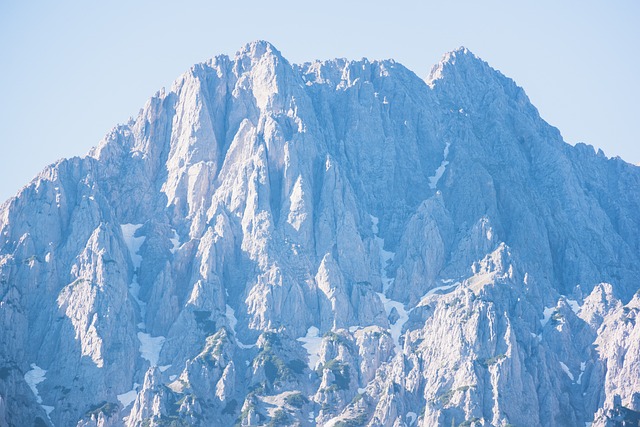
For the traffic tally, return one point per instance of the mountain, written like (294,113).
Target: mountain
(337,243)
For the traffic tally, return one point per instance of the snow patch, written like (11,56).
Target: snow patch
(433,180)
(133,243)
(425,298)
(385,256)
(374,224)
(583,367)
(134,289)
(34,377)
(175,240)
(129,397)
(575,307)
(231,318)
(403,316)
(411,418)
(312,342)
(150,347)
(233,321)
(567,371)
(548,311)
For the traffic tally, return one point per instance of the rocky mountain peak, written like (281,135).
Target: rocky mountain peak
(333,243)
(257,49)
(461,58)
(463,76)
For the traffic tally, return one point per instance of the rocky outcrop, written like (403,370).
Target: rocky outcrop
(334,243)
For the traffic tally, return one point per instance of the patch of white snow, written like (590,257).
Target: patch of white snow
(312,342)
(567,371)
(411,418)
(231,317)
(575,307)
(129,397)
(175,240)
(583,367)
(385,256)
(440,289)
(548,311)
(233,321)
(34,377)
(150,347)
(134,289)
(403,316)
(433,180)
(133,243)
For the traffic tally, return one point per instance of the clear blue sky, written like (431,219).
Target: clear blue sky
(71,70)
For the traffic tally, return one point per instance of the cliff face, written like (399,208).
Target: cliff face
(334,243)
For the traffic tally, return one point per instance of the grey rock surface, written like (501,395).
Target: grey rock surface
(336,243)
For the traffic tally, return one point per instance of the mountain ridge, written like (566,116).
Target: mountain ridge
(389,251)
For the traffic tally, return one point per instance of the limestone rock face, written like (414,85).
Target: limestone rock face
(333,243)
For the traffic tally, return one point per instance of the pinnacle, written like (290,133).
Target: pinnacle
(257,49)
(456,60)
(462,54)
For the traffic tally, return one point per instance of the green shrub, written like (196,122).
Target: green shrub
(493,360)
(341,373)
(205,324)
(337,338)
(359,421)
(107,408)
(275,368)
(280,418)
(297,400)
(297,366)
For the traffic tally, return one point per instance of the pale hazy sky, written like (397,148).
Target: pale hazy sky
(71,70)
